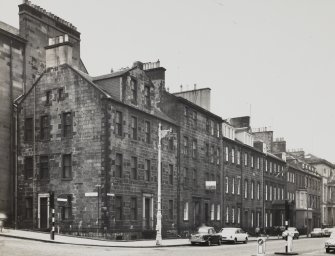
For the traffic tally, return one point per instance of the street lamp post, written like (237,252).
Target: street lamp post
(161,135)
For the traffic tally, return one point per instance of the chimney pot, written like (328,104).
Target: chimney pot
(138,64)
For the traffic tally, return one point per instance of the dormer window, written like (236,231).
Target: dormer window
(147,96)
(133,86)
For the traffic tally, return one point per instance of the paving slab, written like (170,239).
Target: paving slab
(65,239)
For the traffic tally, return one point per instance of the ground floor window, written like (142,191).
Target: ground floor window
(218,212)
(186,211)
(28,208)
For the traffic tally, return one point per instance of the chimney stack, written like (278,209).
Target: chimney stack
(138,64)
(59,52)
(156,73)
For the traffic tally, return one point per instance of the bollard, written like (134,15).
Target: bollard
(1,225)
(52,233)
(288,245)
(261,246)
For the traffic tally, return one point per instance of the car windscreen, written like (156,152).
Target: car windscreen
(228,231)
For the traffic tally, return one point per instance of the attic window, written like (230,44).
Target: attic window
(133,87)
(147,96)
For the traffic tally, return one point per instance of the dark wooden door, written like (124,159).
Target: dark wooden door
(43,212)
(147,213)
(206,213)
(196,214)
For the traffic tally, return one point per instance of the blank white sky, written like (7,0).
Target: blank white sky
(277,56)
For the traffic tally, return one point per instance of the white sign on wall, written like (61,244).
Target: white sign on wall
(210,185)
(91,194)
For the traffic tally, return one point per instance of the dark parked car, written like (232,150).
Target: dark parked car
(205,235)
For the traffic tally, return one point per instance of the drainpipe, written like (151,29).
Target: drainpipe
(15,169)
(11,148)
(222,172)
(179,215)
(34,163)
(264,192)
(241,190)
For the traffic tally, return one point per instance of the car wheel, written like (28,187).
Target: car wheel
(327,250)
(297,237)
(246,240)
(209,243)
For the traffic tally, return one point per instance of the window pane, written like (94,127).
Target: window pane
(28,129)
(28,167)
(67,166)
(67,124)
(147,170)
(118,122)
(118,165)
(44,167)
(133,168)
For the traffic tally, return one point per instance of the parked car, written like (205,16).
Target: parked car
(330,243)
(233,235)
(291,230)
(205,235)
(316,232)
(327,231)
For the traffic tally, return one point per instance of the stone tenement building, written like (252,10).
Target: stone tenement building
(254,178)
(200,156)
(90,143)
(304,188)
(274,190)
(22,60)
(301,183)
(326,170)
(79,135)
(12,48)
(243,176)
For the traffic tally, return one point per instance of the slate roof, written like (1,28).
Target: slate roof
(111,75)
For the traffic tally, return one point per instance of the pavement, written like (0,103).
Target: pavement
(73,240)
